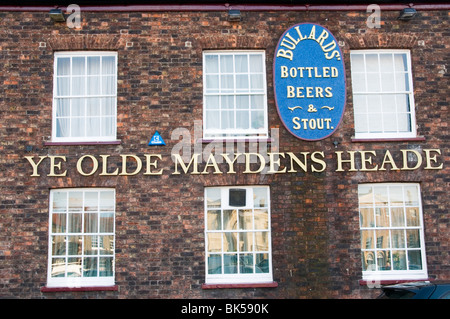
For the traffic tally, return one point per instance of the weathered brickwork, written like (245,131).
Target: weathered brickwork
(160,247)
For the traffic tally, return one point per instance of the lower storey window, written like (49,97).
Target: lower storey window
(392,239)
(81,243)
(237,233)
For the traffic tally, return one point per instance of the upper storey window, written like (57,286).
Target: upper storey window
(235,101)
(383,98)
(85,97)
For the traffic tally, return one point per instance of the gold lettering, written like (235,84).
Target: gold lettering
(152,164)
(124,165)
(105,167)
(247,163)
(405,159)
(94,165)
(34,165)
(193,161)
(434,159)
(230,163)
(388,159)
(275,159)
(318,161)
(211,159)
(365,160)
(58,166)
(295,159)
(340,161)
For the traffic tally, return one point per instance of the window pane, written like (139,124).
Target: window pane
(246,241)
(109,65)
(93,65)
(78,86)
(214,264)
(63,87)
(75,223)
(91,223)
(367,239)
(93,85)
(230,264)
(226,63)
(241,63)
(262,263)
(59,201)
(399,260)
(245,219)
(107,222)
(58,267)
(413,239)
(398,217)
(230,242)
(412,216)
(366,217)
(214,242)
(261,219)
(398,239)
(106,266)
(261,241)
(211,64)
(90,267)
(242,120)
(58,245)
(59,223)
(63,66)
(74,244)
(256,63)
(415,259)
(78,107)
(214,221)
(78,66)
(229,219)
(213,197)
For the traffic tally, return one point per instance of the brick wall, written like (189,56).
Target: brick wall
(160,219)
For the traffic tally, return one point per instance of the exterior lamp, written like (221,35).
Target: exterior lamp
(407,14)
(57,15)
(234,15)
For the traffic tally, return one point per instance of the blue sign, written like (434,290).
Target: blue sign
(156,139)
(309,81)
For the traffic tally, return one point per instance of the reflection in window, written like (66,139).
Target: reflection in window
(81,237)
(391,230)
(238,238)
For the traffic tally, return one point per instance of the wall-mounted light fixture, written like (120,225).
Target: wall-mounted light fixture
(234,15)
(57,15)
(407,14)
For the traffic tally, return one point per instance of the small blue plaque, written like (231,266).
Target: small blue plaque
(156,139)
(309,81)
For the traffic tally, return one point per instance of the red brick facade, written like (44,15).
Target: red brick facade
(159,245)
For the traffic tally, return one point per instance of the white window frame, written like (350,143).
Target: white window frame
(79,280)
(71,98)
(238,278)
(390,91)
(370,245)
(234,133)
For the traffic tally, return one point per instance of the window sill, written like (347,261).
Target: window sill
(235,140)
(272,284)
(79,289)
(400,139)
(82,143)
(364,282)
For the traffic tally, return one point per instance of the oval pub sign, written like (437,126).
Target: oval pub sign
(309,81)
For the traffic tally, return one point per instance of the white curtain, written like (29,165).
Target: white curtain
(85,96)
